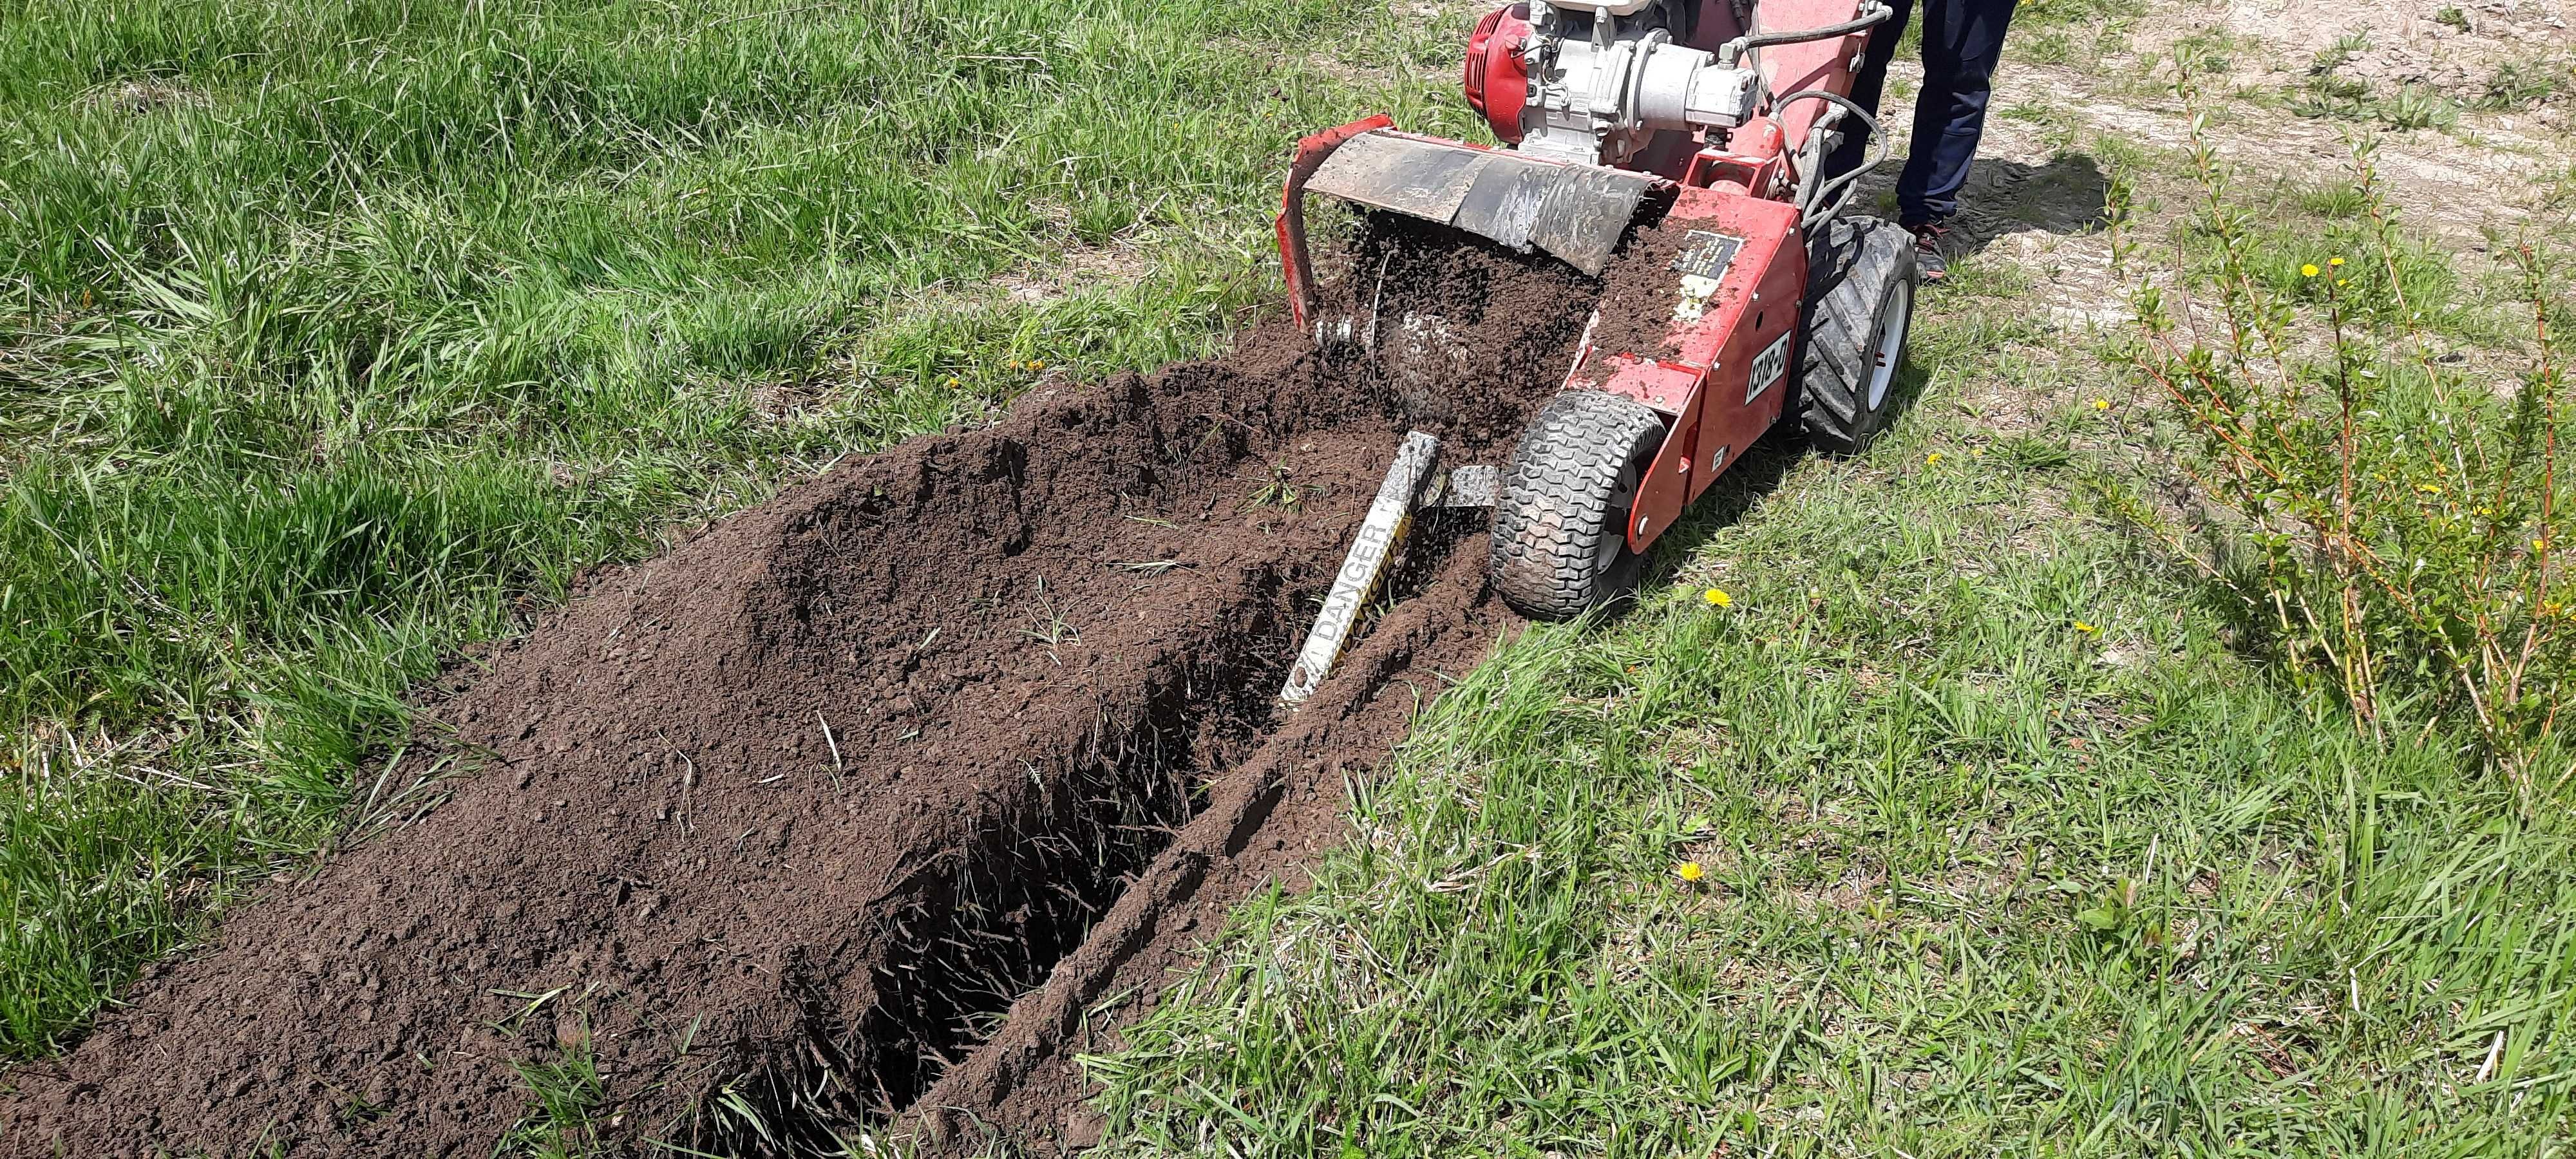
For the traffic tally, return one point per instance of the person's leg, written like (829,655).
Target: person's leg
(1962,41)
(1867,85)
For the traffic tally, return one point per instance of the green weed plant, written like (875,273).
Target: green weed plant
(2395,519)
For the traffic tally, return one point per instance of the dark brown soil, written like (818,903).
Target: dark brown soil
(847,811)
(1639,293)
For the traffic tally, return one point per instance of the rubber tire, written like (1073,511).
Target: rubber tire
(1856,270)
(1561,518)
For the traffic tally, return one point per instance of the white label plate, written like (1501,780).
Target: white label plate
(1769,367)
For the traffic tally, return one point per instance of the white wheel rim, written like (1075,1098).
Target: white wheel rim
(1893,318)
(1623,502)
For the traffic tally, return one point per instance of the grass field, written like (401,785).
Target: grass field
(340,335)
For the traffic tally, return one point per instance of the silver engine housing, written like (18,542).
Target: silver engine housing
(1603,82)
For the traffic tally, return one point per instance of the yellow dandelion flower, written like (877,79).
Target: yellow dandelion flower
(1717,598)
(2428,488)
(2308,271)
(1933,459)
(1037,365)
(2540,545)
(2334,261)
(2343,281)
(1689,871)
(2100,403)
(2486,510)
(2087,629)
(952,380)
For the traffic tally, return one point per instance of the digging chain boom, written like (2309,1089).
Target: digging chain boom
(1373,551)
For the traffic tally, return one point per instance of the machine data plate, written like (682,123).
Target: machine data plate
(1706,254)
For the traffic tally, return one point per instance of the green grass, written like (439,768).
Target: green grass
(2296,226)
(2523,84)
(336,335)
(2325,92)
(562,1095)
(2005,849)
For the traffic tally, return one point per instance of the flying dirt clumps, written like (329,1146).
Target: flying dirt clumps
(843,812)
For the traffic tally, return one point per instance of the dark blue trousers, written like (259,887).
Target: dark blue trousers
(1962,41)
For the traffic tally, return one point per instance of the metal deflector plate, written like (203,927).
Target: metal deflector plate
(1577,212)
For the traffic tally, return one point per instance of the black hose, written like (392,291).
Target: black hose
(1818,187)
(1736,48)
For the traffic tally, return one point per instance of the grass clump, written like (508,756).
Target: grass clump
(562,1094)
(1278,487)
(2326,92)
(2411,106)
(2523,84)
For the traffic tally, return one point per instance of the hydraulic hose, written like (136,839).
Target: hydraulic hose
(1734,50)
(1817,186)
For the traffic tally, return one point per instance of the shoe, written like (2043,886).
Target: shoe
(1927,251)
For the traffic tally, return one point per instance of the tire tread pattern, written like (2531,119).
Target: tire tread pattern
(1851,268)
(1556,503)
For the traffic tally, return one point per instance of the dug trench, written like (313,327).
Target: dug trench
(855,812)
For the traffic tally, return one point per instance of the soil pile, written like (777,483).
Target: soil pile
(847,810)
(1640,293)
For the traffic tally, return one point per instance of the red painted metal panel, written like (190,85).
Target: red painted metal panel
(1291,222)
(1714,25)
(1792,68)
(1763,341)
(1815,64)
(1666,489)
(1707,383)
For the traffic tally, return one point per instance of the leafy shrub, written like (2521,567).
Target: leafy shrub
(2392,519)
